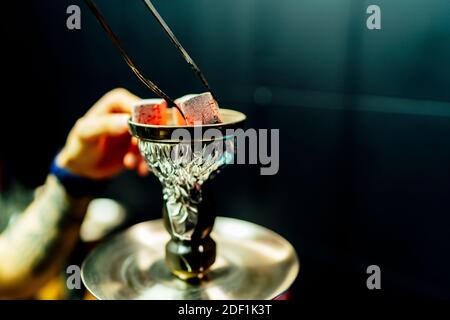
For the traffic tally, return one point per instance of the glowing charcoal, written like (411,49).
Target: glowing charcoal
(177,117)
(151,111)
(200,108)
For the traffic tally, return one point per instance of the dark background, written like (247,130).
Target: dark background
(364,119)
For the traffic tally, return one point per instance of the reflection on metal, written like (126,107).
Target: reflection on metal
(252,263)
(232,119)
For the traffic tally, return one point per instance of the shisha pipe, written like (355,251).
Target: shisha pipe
(148,83)
(243,272)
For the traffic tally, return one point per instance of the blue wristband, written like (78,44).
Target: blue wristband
(75,185)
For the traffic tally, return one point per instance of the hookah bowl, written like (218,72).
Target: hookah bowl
(249,261)
(184,161)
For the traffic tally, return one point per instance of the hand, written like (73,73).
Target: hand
(99,146)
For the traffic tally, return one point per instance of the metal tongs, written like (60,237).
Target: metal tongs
(150,84)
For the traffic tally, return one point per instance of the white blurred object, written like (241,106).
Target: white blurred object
(102,216)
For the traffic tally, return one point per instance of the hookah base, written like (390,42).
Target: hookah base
(190,260)
(252,263)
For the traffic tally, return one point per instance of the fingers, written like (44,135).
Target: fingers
(134,161)
(90,128)
(131,160)
(109,117)
(143,169)
(116,101)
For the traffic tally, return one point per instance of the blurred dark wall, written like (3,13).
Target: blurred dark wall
(364,119)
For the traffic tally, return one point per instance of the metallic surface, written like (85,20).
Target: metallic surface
(252,263)
(162,133)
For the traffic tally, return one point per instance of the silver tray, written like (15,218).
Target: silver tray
(252,263)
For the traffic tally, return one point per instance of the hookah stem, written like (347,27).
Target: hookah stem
(180,48)
(127,58)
